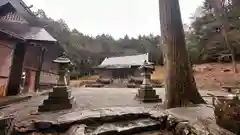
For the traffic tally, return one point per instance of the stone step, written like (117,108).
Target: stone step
(122,128)
(90,117)
(54,107)
(60,97)
(58,94)
(53,104)
(59,101)
(129,120)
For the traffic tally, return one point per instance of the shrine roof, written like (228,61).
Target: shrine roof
(124,61)
(22,9)
(26,32)
(29,29)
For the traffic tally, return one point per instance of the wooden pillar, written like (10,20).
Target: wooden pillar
(16,69)
(38,73)
(31,83)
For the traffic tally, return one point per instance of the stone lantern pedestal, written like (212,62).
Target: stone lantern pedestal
(146,93)
(60,98)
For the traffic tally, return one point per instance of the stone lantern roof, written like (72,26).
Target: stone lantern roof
(146,65)
(63,59)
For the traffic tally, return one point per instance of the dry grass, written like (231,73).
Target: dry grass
(209,76)
(94,77)
(158,74)
(83,80)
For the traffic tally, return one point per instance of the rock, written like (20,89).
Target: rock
(6,125)
(202,68)
(78,116)
(211,129)
(104,115)
(131,85)
(104,129)
(160,116)
(182,128)
(43,124)
(226,70)
(95,85)
(34,113)
(198,130)
(76,130)
(171,122)
(125,128)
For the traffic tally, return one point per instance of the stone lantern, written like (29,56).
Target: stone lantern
(146,93)
(227,112)
(60,98)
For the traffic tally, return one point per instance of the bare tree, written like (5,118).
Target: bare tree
(180,84)
(220,9)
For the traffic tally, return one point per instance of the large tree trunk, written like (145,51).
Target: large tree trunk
(180,84)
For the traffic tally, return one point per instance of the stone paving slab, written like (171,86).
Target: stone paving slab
(102,113)
(76,130)
(86,99)
(89,98)
(201,118)
(126,127)
(5,101)
(192,113)
(176,118)
(83,117)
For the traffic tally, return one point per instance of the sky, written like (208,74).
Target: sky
(114,17)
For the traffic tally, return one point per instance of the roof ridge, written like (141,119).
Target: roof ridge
(129,55)
(135,60)
(21,7)
(26,7)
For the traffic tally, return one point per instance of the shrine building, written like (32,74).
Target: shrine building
(25,47)
(122,66)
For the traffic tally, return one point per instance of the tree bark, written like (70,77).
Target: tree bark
(180,84)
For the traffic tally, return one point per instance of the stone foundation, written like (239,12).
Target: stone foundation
(147,94)
(59,99)
(130,120)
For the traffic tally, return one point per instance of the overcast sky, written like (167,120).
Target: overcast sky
(115,17)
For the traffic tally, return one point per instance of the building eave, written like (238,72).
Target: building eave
(25,32)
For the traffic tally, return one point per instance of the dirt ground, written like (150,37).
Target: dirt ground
(210,76)
(213,76)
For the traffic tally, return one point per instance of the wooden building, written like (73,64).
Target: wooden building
(121,67)
(26,47)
